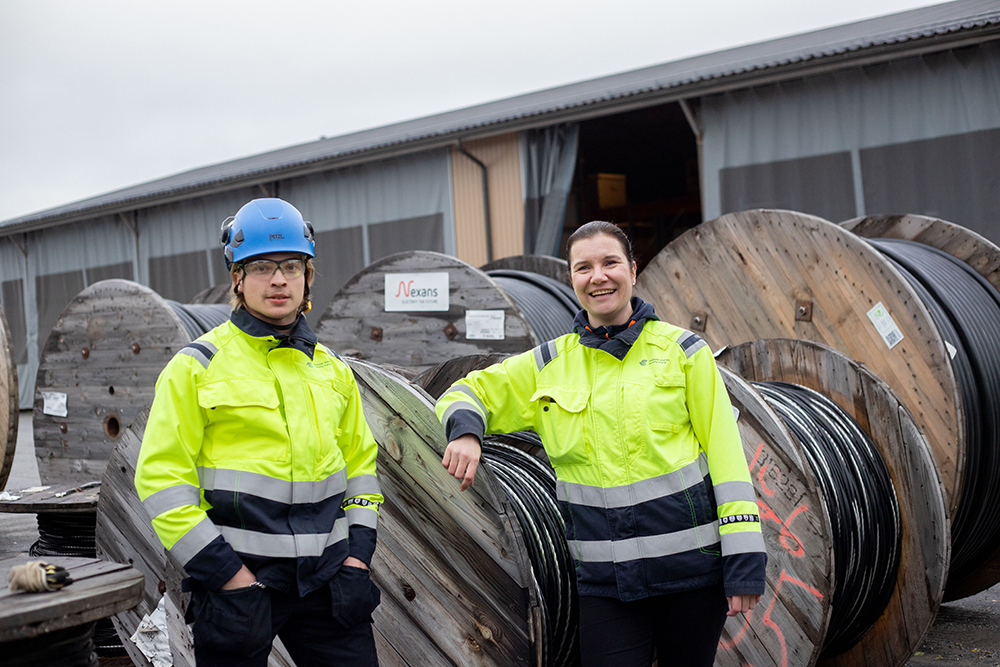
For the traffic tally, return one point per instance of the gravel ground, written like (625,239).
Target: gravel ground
(965,633)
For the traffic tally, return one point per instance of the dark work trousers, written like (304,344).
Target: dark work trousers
(684,628)
(235,628)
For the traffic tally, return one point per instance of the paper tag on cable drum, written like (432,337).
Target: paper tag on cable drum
(484,325)
(54,403)
(416,292)
(885,325)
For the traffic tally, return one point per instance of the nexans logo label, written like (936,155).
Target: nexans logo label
(416,291)
(407,290)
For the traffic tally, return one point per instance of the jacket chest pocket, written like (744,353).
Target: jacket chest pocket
(243,420)
(329,400)
(561,414)
(667,402)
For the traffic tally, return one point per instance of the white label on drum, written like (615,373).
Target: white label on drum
(885,325)
(484,325)
(416,291)
(54,403)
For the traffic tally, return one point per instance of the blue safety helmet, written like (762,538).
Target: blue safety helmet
(265,226)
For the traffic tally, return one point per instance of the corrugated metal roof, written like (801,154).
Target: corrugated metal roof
(939,26)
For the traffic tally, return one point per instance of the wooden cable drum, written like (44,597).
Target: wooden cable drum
(97,372)
(979,568)
(780,274)
(924,545)
(456,585)
(357,323)
(8,401)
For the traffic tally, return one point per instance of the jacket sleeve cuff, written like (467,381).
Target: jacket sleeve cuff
(463,422)
(361,543)
(744,573)
(214,565)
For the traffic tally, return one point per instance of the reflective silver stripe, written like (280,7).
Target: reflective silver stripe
(362,485)
(545,353)
(734,492)
(462,405)
(690,343)
(201,350)
(639,492)
(269,545)
(271,488)
(194,541)
(362,516)
(745,542)
(170,498)
(462,389)
(651,546)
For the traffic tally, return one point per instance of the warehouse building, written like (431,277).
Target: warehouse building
(898,114)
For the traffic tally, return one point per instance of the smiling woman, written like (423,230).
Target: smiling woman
(660,514)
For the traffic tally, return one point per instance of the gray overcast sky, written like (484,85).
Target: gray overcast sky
(101,94)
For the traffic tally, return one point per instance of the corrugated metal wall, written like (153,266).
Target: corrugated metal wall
(501,155)
(360,214)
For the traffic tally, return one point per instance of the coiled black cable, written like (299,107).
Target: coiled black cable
(530,486)
(547,304)
(65,534)
(69,647)
(966,309)
(200,318)
(864,513)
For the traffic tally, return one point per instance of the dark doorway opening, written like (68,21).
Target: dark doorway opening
(639,170)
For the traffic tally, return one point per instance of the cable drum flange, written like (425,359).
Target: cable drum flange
(902,620)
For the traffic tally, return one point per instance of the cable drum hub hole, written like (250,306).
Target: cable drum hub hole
(112,427)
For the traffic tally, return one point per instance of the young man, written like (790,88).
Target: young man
(257,467)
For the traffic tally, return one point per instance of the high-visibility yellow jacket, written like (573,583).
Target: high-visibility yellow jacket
(653,484)
(256,452)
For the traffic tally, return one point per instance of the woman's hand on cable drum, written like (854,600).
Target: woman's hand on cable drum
(741,603)
(461,458)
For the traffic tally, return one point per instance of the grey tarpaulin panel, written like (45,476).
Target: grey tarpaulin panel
(953,178)
(121,270)
(820,184)
(339,256)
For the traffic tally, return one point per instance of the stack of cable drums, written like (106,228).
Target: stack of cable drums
(98,368)
(8,401)
(418,309)
(779,274)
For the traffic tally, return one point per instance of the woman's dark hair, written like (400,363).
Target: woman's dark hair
(596,227)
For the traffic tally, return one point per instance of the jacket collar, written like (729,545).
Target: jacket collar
(297,336)
(616,339)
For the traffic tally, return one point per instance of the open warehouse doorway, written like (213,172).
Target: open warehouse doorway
(639,170)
